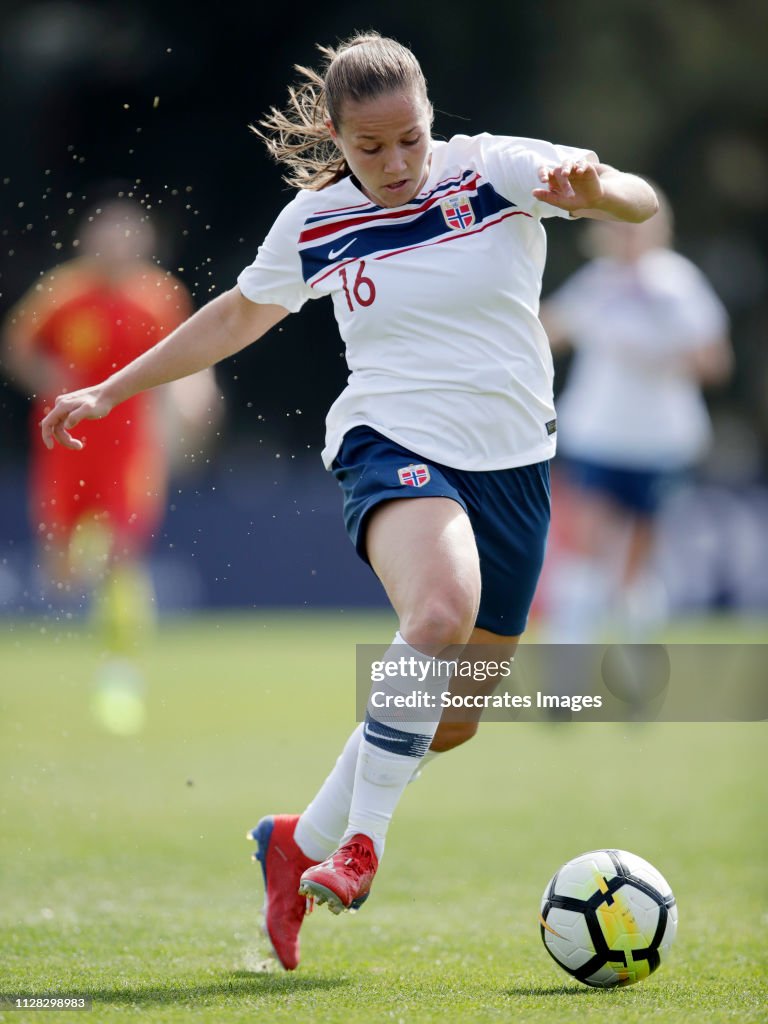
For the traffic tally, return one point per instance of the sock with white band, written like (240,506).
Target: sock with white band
(390,750)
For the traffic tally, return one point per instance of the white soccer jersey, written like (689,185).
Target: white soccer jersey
(436,301)
(627,401)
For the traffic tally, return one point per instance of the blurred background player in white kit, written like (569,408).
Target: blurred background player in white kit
(648,333)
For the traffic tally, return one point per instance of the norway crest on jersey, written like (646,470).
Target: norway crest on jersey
(414,476)
(458,212)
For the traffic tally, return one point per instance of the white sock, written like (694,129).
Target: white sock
(392,748)
(322,824)
(579,601)
(641,610)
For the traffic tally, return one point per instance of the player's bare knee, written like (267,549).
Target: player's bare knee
(440,621)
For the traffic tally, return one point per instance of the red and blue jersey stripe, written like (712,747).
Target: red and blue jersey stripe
(368,231)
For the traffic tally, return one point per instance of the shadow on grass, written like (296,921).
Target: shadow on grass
(551,990)
(236,983)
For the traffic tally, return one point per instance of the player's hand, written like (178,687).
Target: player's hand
(69,410)
(573,185)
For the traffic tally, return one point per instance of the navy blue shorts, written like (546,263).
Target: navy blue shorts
(507,508)
(640,491)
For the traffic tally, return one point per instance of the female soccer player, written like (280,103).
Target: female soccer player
(432,253)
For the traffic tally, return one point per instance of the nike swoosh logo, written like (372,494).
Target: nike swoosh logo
(544,924)
(381,736)
(335,253)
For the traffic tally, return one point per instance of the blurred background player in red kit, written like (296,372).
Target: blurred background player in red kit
(95,515)
(648,333)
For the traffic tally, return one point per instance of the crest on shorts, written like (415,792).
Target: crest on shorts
(458,212)
(414,476)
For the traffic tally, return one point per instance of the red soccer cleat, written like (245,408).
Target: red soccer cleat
(344,880)
(282,863)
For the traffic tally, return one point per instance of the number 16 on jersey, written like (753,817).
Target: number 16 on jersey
(363,290)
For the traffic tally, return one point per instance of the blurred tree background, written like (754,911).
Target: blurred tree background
(156,99)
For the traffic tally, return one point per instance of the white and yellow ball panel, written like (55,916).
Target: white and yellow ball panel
(630,920)
(613,975)
(578,879)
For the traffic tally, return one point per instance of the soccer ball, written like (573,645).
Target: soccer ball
(608,918)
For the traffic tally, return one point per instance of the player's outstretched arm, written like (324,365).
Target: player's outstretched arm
(225,326)
(596,191)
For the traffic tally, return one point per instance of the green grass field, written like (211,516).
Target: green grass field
(125,873)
